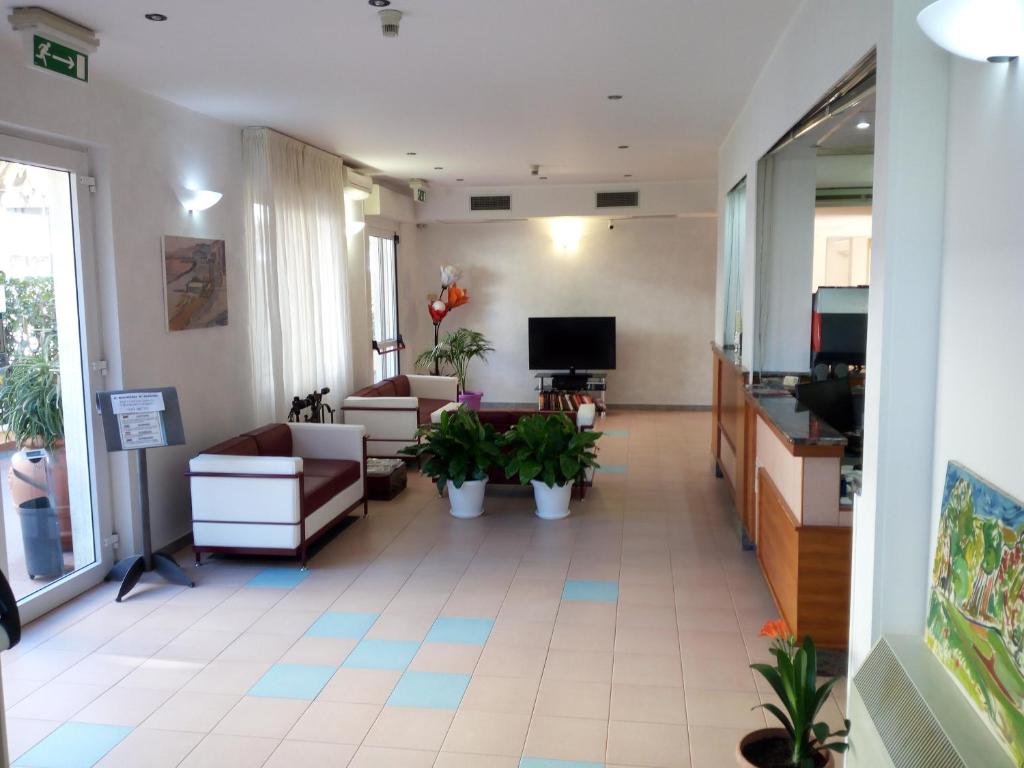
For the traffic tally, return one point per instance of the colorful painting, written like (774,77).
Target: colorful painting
(195,273)
(976,610)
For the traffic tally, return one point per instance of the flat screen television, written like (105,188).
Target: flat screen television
(572,343)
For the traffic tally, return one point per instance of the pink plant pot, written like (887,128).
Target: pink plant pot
(471,400)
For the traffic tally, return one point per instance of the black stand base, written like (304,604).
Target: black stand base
(130,570)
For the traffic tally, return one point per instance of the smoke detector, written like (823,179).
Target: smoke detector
(389,21)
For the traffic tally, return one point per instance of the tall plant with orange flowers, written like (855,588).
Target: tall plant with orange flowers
(794,678)
(444,301)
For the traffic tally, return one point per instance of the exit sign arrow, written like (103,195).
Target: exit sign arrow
(59,58)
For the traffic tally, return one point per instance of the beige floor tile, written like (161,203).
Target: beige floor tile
(198,644)
(459,760)
(643,669)
(700,644)
(23,734)
(42,664)
(192,711)
(567,738)
(262,716)
(54,701)
(724,709)
(18,688)
(525,634)
(151,748)
(325,651)
(717,675)
(581,666)
(410,728)
(361,686)
(166,674)
(639,615)
(487,733)
(227,677)
(653,745)
(99,669)
(402,625)
(384,757)
(648,704)
(506,695)
(647,640)
(510,661)
(292,754)
(123,706)
(711,747)
(219,750)
(251,646)
(335,721)
(456,658)
(566,698)
(583,637)
(587,613)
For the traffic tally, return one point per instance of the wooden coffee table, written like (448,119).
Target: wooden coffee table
(385,478)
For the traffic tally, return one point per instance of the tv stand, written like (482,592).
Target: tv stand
(566,391)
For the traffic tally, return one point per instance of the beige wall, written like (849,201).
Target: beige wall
(655,275)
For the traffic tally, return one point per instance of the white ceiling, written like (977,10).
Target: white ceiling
(483,88)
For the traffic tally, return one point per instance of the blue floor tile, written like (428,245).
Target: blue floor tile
(591,591)
(349,625)
(612,469)
(541,762)
(277,578)
(73,745)
(293,681)
(433,690)
(458,629)
(382,654)
(615,432)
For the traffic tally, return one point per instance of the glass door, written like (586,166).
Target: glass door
(383,266)
(52,535)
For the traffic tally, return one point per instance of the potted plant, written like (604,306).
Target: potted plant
(801,742)
(551,454)
(456,350)
(458,451)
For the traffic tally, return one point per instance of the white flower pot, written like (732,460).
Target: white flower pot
(467,501)
(552,503)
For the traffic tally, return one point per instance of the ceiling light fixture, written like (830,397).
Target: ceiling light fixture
(460,179)
(193,200)
(411,154)
(627,175)
(863,125)
(438,168)
(615,97)
(983,30)
(380,3)
(543,178)
(156,17)
(389,21)
(623,146)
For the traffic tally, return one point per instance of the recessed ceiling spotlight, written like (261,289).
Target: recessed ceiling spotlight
(543,178)
(380,3)
(623,146)
(438,167)
(460,179)
(627,175)
(410,154)
(615,97)
(863,125)
(156,17)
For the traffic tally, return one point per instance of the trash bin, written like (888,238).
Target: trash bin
(40,534)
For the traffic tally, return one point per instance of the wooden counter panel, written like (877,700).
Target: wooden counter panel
(778,549)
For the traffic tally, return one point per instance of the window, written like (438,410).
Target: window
(735,235)
(383,267)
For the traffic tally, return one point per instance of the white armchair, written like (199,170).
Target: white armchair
(392,410)
(276,489)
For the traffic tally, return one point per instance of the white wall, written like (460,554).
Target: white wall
(853,222)
(655,275)
(979,421)
(140,147)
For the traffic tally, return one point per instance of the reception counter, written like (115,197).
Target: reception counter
(783,466)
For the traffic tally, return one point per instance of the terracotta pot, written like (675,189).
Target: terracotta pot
(28,479)
(771,733)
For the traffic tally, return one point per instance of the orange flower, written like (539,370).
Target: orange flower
(775,629)
(457,296)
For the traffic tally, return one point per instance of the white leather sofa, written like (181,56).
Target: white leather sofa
(276,489)
(394,409)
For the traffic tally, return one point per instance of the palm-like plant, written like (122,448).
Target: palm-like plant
(30,401)
(456,350)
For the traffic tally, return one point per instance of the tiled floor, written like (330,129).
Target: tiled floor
(618,637)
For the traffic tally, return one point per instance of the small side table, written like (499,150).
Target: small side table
(385,478)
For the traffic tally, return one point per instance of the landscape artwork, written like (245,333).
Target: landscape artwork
(195,283)
(976,607)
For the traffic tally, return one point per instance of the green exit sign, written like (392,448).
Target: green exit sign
(57,57)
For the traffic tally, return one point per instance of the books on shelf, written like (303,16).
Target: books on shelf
(562,400)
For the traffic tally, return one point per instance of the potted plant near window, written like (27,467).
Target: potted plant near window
(801,742)
(456,453)
(551,454)
(456,350)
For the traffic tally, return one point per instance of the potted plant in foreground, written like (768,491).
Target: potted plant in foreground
(458,451)
(801,742)
(456,350)
(551,454)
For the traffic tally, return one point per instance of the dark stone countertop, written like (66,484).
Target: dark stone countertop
(800,426)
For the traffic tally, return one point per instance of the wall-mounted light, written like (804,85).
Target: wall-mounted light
(566,234)
(983,30)
(193,200)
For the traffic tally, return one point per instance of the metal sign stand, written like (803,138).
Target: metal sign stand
(159,425)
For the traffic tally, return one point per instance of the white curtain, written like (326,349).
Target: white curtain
(735,230)
(296,253)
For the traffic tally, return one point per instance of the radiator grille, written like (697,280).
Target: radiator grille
(617,199)
(905,724)
(490,203)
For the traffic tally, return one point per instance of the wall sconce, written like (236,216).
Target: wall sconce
(566,234)
(193,200)
(983,30)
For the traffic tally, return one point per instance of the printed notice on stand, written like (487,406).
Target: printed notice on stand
(137,402)
(142,429)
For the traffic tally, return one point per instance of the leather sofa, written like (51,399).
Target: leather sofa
(392,410)
(276,489)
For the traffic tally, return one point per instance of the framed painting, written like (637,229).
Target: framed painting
(195,283)
(976,603)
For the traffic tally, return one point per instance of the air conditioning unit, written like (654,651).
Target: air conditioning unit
(358,186)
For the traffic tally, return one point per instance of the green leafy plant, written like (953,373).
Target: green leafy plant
(548,448)
(459,448)
(455,351)
(30,401)
(794,678)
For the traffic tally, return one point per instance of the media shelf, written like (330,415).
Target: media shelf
(553,394)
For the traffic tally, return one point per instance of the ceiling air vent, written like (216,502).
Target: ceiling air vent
(618,199)
(490,203)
